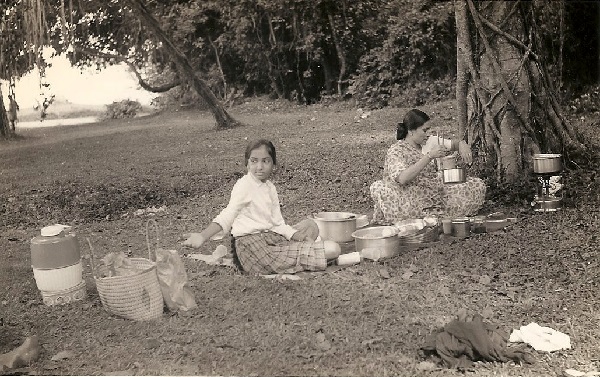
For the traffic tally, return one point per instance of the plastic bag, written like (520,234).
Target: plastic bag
(173,281)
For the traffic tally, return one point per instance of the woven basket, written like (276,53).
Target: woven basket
(137,296)
(426,235)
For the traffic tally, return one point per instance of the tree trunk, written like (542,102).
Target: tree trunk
(340,54)
(463,51)
(5,129)
(220,67)
(500,65)
(223,119)
(512,105)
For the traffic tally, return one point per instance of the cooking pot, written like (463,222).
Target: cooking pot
(382,238)
(461,227)
(336,226)
(456,175)
(546,163)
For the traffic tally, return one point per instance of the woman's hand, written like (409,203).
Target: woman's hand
(194,240)
(301,235)
(465,152)
(438,151)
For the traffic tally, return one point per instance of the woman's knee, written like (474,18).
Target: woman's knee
(332,249)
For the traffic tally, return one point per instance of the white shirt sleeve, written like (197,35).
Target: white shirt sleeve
(240,198)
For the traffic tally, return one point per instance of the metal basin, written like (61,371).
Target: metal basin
(382,238)
(547,205)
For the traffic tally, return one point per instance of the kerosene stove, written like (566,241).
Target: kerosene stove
(548,169)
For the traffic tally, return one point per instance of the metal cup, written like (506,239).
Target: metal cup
(461,227)
(447,226)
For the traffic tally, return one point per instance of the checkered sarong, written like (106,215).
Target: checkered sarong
(271,253)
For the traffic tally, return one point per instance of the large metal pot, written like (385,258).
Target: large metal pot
(456,175)
(384,239)
(336,226)
(547,163)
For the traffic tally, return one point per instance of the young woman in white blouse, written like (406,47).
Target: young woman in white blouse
(263,242)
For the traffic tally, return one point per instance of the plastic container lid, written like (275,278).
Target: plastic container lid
(55,251)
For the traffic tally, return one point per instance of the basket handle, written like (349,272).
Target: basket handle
(156,229)
(92,261)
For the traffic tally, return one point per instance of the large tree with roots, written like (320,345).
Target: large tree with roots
(507,104)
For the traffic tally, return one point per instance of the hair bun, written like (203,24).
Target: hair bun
(401,131)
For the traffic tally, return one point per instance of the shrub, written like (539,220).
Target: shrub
(415,63)
(123,109)
(587,102)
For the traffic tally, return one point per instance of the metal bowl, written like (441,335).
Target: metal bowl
(454,175)
(493,224)
(382,238)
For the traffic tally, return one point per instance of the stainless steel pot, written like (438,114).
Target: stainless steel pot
(336,226)
(382,238)
(461,227)
(456,175)
(547,163)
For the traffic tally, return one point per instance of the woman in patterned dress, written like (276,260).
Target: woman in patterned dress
(263,242)
(412,187)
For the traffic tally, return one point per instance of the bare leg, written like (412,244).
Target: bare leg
(332,250)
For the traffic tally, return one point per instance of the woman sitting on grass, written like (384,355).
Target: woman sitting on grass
(411,186)
(263,242)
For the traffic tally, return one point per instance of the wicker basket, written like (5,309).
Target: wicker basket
(137,296)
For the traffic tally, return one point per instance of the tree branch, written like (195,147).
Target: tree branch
(517,43)
(133,68)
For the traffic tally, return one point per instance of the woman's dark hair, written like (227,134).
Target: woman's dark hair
(257,144)
(412,120)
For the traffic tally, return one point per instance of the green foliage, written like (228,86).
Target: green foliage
(380,52)
(122,109)
(587,102)
(416,60)
(499,191)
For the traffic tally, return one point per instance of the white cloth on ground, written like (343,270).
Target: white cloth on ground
(541,338)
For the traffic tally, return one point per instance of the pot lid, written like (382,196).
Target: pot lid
(334,216)
(546,155)
(53,230)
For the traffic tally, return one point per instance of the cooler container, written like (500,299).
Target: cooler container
(56,264)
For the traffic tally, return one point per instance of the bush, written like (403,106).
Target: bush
(416,62)
(123,109)
(587,102)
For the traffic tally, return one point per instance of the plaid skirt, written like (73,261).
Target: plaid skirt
(271,253)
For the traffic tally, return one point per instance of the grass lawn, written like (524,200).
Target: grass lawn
(366,320)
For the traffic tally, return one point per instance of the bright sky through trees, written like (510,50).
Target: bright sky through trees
(88,87)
